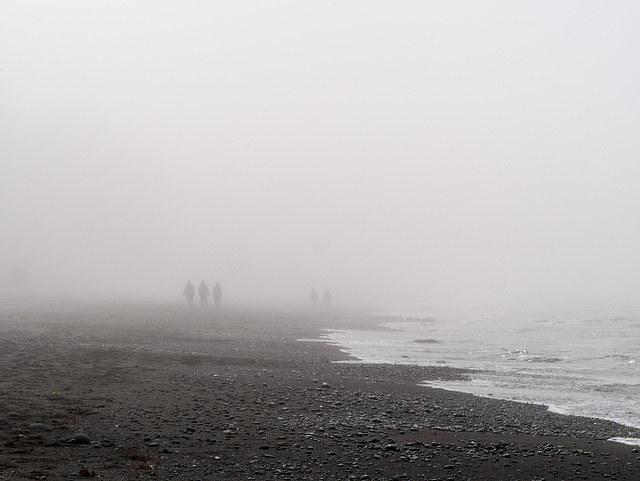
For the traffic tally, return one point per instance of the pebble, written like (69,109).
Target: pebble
(80,438)
(36,426)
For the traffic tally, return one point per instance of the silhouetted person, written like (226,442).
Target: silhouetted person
(216,292)
(314,297)
(203,292)
(326,297)
(189,291)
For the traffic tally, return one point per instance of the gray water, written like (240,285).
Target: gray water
(575,362)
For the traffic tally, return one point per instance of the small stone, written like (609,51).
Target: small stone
(80,438)
(36,426)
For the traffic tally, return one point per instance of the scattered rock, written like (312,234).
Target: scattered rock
(79,438)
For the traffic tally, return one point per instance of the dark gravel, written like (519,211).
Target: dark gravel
(233,395)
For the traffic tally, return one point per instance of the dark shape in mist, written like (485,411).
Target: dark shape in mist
(203,292)
(216,292)
(189,291)
(326,297)
(313,295)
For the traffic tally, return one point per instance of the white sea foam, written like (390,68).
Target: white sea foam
(630,441)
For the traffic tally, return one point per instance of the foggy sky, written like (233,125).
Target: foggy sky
(425,152)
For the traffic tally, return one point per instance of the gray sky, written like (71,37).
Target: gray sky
(416,151)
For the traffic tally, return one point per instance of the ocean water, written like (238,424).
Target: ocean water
(576,362)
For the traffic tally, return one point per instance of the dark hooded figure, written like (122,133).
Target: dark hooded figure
(189,291)
(313,295)
(203,292)
(326,297)
(216,292)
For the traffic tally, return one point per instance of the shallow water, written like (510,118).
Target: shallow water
(577,362)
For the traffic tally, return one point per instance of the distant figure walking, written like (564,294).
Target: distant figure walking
(189,291)
(326,297)
(203,292)
(314,297)
(216,292)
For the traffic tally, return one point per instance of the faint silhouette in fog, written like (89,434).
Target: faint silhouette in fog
(326,297)
(313,295)
(189,291)
(216,292)
(203,292)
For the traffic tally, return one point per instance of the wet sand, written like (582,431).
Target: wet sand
(234,394)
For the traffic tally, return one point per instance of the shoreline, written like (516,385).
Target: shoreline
(233,394)
(467,388)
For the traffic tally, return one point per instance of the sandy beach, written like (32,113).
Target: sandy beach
(230,394)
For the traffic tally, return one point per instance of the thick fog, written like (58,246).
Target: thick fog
(395,152)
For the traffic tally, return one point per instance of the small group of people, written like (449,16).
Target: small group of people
(216,292)
(326,297)
(203,292)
